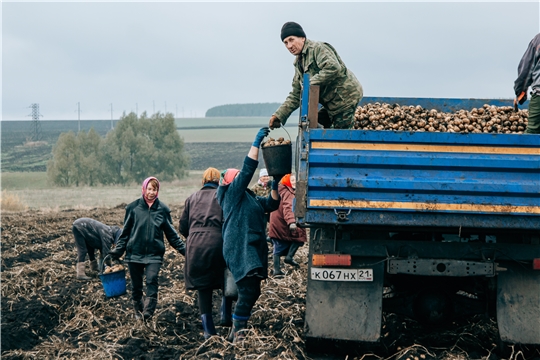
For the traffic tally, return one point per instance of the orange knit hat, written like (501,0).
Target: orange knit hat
(286,180)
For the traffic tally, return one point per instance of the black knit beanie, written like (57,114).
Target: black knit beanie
(291,29)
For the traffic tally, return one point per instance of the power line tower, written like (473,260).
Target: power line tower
(36,125)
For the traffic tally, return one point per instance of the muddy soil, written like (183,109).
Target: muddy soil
(47,313)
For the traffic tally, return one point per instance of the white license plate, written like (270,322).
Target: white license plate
(329,274)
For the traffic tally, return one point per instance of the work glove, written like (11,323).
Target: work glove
(292,228)
(260,136)
(116,253)
(520,99)
(274,122)
(277,179)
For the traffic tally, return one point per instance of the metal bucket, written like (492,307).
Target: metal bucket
(114,283)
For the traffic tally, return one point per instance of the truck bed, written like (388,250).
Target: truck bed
(434,179)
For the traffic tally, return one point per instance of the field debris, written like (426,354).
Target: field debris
(47,313)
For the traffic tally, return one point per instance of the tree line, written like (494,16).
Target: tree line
(137,148)
(260,109)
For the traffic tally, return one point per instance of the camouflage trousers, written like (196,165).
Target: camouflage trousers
(533,124)
(344,120)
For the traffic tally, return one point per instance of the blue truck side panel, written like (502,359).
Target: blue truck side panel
(421,179)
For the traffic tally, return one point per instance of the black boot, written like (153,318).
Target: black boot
(149,307)
(208,325)
(138,308)
(238,331)
(225,312)
(289,259)
(277,266)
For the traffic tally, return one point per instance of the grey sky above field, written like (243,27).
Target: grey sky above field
(185,57)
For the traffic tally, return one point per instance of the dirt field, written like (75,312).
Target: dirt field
(47,313)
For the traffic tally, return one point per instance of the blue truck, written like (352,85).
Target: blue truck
(430,225)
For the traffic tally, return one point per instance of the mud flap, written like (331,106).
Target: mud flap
(345,310)
(518,304)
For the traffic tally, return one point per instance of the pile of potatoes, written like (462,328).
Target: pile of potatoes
(274,142)
(487,119)
(114,268)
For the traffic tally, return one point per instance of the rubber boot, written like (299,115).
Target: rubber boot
(138,309)
(94,265)
(149,307)
(81,274)
(208,326)
(277,266)
(238,331)
(225,312)
(289,259)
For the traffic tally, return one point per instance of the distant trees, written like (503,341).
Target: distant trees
(261,109)
(137,148)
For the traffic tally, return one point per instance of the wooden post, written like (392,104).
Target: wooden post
(313,106)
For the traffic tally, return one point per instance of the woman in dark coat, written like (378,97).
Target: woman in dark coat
(146,221)
(244,239)
(201,224)
(285,235)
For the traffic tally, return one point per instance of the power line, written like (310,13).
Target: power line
(36,125)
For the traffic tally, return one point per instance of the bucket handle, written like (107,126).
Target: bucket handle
(283,127)
(103,262)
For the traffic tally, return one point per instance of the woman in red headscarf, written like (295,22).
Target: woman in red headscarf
(146,221)
(285,235)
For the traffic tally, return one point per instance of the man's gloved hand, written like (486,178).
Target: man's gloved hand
(292,228)
(274,122)
(520,99)
(116,253)
(260,136)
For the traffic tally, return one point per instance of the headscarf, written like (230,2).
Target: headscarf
(145,185)
(210,175)
(227,176)
(286,180)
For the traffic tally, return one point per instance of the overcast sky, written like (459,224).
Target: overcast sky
(188,57)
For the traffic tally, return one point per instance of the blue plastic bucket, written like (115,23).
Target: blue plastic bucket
(114,283)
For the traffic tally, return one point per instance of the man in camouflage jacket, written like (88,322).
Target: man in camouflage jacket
(340,91)
(529,75)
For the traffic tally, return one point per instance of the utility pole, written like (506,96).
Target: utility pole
(112,126)
(36,125)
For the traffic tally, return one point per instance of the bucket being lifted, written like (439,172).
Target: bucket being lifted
(113,278)
(277,156)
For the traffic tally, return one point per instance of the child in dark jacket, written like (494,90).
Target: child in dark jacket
(146,221)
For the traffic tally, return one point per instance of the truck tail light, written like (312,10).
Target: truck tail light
(331,260)
(536,264)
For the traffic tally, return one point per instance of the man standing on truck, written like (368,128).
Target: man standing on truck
(340,91)
(529,75)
